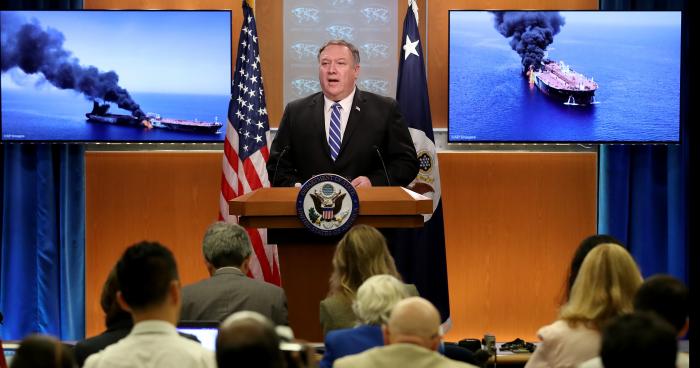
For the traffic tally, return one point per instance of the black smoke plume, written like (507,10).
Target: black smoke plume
(36,50)
(531,32)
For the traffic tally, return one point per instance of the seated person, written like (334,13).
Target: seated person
(149,288)
(604,289)
(668,298)
(117,321)
(375,299)
(227,251)
(640,339)
(411,337)
(361,253)
(248,339)
(42,351)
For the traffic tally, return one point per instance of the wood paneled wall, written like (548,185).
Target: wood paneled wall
(511,224)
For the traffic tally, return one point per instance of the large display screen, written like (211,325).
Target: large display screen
(549,76)
(115,75)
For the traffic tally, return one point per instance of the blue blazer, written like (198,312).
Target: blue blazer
(349,341)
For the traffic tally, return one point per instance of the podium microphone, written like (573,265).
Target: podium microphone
(386,173)
(279,158)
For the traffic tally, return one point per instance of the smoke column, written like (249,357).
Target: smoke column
(36,50)
(531,32)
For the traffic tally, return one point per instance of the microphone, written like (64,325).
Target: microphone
(386,173)
(279,158)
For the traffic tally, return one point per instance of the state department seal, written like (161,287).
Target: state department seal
(327,204)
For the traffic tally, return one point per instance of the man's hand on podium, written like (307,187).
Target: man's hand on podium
(361,181)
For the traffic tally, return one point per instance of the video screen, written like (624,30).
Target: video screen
(115,75)
(564,76)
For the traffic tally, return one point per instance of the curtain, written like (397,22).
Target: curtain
(643,189)
(42,4)
(42,265)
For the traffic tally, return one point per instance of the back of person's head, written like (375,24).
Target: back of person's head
(376,297)
(248,339)
(581,252)
(226,245)
(108,301)
(666,296)
(604,288)
(639,340)
(145,272)
(42,351)
(414,320)
(361,253)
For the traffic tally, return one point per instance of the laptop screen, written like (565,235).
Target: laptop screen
(205,332)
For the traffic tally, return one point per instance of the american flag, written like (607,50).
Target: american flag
(246,147)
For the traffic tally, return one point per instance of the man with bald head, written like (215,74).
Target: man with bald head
(248,339)
(411,337)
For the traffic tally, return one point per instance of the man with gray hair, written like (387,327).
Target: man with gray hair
(227,253)
(411,337)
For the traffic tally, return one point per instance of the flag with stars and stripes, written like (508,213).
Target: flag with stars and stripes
(420,256)
(246,147)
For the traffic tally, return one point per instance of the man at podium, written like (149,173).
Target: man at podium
(342,130)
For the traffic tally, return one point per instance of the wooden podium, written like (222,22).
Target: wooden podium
(305,258)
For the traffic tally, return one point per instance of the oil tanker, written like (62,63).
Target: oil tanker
(99,114)
(562,83)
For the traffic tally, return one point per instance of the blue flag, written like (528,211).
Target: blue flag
(420,253)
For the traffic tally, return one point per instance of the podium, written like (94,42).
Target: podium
(305,258)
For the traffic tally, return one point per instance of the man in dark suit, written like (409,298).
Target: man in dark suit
(227,252)
(342,130)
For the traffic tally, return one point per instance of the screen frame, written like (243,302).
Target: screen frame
(682,90)
(224,122)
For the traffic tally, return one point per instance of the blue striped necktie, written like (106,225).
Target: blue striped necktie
(334,131)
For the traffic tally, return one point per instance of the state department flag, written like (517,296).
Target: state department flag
(420,253)
(246,147)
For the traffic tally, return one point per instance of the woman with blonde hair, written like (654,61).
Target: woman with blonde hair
(376,297)
(604,289)
(360,254)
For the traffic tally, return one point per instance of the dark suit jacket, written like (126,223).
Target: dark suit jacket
(83,349)
(336,311)
(349,341)
(229,291)
(300,149)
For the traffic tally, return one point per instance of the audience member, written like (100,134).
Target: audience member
(361,253)
(604,288)
(586,245)
(117,320)
(42,351)
(668,298)
(150,291)
(372,306)
(227,251)
(248,339)
(412,337)
(640,340)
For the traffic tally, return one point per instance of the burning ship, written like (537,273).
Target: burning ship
(559,81)
(99,114)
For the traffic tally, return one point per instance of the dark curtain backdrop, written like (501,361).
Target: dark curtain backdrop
(42,266)
(42,4)
(644,189)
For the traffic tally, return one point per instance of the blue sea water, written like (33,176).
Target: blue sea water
(637,69)
(51,115)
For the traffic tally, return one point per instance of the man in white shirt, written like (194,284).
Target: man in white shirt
(150,291)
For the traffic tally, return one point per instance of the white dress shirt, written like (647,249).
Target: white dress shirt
(345,106)
(153,344)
